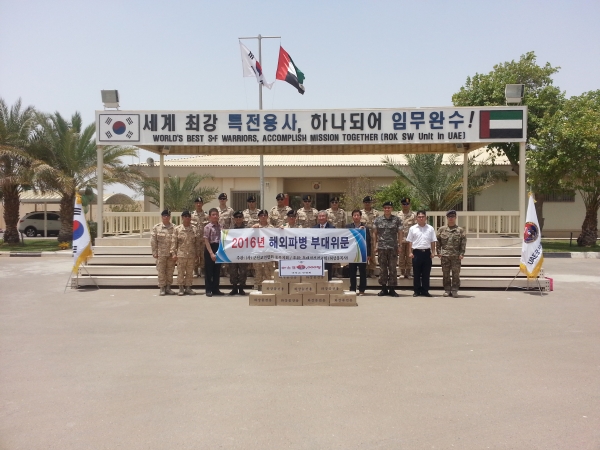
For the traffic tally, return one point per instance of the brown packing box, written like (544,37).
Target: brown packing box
(274,287)
(346,283)
(257,298)
(289,300)
(330,287)
(297,279)
(345,299)
(303,288)
(315,278)
(315,299)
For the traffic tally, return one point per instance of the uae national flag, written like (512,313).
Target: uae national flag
(252,67)
(82,244)
(501,124)
(532,255)
(288,71)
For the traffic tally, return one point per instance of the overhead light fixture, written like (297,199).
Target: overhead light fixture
(166,149)
(110,98)
(514,93)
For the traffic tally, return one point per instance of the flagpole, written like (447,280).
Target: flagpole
(260,107)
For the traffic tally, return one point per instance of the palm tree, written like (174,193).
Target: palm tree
(71,150)
(439,187)
(179,195)
(16,165)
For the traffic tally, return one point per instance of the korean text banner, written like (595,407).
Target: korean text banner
(341,245)
(453,125)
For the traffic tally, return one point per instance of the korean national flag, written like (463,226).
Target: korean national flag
(119,127)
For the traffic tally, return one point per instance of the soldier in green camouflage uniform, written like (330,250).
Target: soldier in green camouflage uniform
(387,234)
(277,215)
(408,218)
(160,241)
(307,216)
(185,247)
(199,220)
(238,272)
(368,217)
(450,247)
(250,213)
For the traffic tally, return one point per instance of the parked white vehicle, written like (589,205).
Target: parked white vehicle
(32,223)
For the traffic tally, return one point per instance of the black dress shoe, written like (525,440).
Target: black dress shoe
(415,294)
(427,294)
(208,294)
(218,293)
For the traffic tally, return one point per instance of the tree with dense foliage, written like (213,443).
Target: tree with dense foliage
(17,168)
(438,186)
(395,192)
(356,191)
(541,97)
(179,195)
(568,146)
(70,149)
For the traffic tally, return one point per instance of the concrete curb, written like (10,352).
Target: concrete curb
(63,253)
(589,255)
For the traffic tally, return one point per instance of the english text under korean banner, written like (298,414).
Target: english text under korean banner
(317,127)
(256,245)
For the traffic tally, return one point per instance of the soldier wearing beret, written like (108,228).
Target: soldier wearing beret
(250,213)
(185,247)
(451,246)
(408,218)
(277,215)
(265,270)
(238,272)
(160,241)
(307,215)
(292,220)
(336,216)
(368,216)
(199,220)
(387,234)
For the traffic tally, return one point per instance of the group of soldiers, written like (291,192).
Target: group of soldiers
(399,239)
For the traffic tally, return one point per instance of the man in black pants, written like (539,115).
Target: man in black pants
(323,223)
(212,237)
(421,247)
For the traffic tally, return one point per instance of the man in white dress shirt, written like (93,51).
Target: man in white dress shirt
(421,247)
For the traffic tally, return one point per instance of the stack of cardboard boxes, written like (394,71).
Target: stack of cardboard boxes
(303,291)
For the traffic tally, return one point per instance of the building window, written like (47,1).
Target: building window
(559,196)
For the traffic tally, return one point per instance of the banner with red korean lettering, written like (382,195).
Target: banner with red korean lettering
(341,245)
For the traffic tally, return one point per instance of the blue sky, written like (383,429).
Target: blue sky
(57,55)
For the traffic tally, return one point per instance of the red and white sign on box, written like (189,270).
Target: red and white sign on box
(295,267)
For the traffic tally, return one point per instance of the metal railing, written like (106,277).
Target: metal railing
(475,222)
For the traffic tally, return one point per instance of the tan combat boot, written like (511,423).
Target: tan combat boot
(162,291)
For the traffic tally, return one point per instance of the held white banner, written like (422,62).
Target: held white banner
(453,125)
(342,245)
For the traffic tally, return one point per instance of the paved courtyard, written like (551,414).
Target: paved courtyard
(126,369)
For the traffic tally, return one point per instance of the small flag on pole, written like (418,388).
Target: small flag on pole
(532,255)
(288,71)
(82,244)
(252,67)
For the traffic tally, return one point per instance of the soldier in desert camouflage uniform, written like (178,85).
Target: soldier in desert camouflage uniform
(336,216)
(450,247)
(185,247)
(368,216)
(307,216)
(277,215)
(292,220)
(266,270)
(408,218)
(160,241)
(250,213)
(199,220)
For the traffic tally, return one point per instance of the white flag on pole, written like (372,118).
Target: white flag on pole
(82,244)
(252,67)
(532,255)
